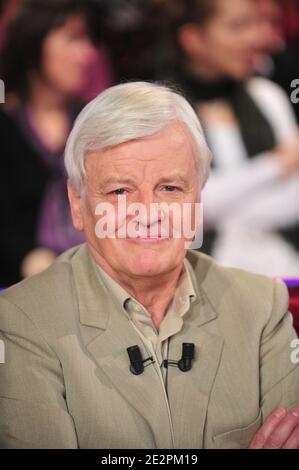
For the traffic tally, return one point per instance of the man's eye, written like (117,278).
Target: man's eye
(119,192)
(170,189)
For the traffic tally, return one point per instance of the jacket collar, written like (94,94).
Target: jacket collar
(95,305)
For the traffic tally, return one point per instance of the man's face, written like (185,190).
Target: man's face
(158,169)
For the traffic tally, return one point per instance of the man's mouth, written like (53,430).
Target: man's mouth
(149,239)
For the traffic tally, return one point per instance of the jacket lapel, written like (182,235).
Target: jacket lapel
(108,340)
(189,392)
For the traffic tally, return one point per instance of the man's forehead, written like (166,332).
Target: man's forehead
(170,153)
(165,177)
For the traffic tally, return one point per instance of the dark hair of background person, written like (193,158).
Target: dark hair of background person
(22,51)
(180,12)
(132,36)
(168,17)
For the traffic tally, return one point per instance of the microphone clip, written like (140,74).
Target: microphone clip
(136,360)
(185,363)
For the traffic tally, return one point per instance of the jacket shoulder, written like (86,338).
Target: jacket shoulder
(236,290)
(48,297)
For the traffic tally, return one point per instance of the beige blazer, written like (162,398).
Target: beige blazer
(66,382)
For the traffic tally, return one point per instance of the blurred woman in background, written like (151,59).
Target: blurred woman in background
(250,202)
(279,32)
(47,55)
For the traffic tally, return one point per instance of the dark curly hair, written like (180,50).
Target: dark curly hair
(22,51)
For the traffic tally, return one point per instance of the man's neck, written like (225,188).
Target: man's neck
(155,293)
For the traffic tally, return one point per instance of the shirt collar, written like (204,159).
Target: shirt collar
(184,291)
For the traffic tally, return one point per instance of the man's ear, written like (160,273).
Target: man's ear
(191,40)
(76,207)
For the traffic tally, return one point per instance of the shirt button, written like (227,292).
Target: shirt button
(136,308)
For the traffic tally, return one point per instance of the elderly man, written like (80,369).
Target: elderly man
(210,348)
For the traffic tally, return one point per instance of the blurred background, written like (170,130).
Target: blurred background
(237,62)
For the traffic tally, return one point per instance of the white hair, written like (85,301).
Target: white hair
(127,112)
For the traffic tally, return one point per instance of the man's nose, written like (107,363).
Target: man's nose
(150,202)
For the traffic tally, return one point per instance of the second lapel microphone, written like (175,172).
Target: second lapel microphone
(137,362)
(185,363)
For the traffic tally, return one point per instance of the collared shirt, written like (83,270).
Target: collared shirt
(155,340)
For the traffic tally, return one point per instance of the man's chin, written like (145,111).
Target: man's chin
(150,264)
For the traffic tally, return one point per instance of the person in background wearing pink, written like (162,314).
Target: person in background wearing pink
(45,61)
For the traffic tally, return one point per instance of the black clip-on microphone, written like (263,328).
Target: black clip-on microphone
(185,363)
(136,360)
